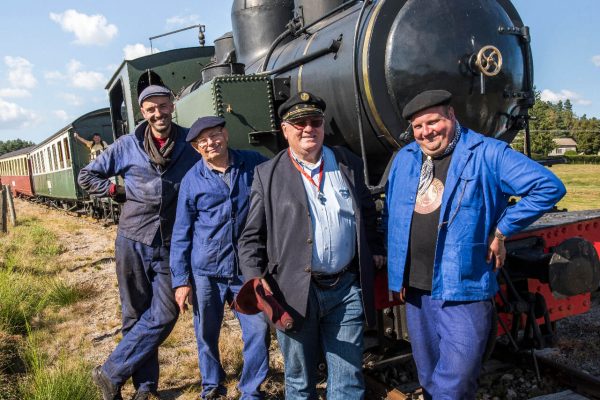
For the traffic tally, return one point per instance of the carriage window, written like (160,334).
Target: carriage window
(50,165)
(54,158)
(61,158)
(67,152)
(43,162)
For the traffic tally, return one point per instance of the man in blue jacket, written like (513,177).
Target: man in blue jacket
(152,160)
(211,213)
(446,202)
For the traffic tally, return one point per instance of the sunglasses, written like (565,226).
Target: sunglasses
(303,123)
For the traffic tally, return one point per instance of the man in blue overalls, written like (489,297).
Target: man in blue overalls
(152,160)
(211,213)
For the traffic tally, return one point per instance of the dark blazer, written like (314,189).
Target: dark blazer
(277,240)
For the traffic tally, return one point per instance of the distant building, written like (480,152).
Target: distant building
(562,145)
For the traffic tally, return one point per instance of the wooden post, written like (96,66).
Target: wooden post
(12,214)
(3,209)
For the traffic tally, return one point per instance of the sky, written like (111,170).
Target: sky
(56,57)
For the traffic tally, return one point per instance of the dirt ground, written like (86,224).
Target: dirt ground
(90,329)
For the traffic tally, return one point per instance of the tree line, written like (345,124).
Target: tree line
(13,145)
(557,120)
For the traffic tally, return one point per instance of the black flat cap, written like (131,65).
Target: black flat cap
(153,90)
(203,123)
(424,100)
(301,105)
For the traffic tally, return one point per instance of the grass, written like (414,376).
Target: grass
(583,186)
(22,296)
(64,379)
(30,247)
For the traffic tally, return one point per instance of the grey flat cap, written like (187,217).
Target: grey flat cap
(153,90)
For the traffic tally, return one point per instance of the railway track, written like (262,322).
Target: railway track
(549,380)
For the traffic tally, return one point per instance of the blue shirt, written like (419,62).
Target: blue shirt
(210,218)
(331,214)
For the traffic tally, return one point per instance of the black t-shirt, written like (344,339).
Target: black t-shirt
(424,228)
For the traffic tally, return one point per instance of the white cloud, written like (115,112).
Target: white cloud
(133,51)
(77,77)
(14,92)
(183,20)
(19,72)
(596,60)
(14,116)
(54,76)
(61,114)
(88,29)
(554,97)
(71,99)
(89,80)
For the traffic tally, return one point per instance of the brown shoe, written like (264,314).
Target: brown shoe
(109,390)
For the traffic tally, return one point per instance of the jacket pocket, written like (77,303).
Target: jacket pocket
(473,264)
(469,192)
(206,256)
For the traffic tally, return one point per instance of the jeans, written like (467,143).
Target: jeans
(209,297)
(448,340)
(149,312)
(334,322)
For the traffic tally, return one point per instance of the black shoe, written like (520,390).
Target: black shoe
(145,396)
(214,394)
(109,390)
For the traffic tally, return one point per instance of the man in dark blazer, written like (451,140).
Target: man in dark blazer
(310,235)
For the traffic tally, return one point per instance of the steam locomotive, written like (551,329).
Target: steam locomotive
(366,59)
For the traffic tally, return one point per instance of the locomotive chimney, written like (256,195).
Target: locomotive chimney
(312,10)
(256,24)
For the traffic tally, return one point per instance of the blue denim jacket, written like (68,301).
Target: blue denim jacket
(483,174)
(210,218)
(151,195)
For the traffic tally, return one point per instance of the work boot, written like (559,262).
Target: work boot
(145,396)
(109,390)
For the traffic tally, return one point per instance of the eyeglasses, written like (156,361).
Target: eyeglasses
(214,136)
(303,123)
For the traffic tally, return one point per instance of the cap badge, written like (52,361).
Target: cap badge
(304,96)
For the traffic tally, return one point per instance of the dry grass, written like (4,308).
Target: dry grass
(84,330)
(583,186)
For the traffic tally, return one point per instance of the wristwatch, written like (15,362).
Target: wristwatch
(498,235)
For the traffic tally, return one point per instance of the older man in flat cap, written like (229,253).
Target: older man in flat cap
(310,236)
(213,203)
(152,160)
(447,200)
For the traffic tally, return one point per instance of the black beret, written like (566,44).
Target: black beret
(301,105)
(202,124)
(424,100)
(153,90)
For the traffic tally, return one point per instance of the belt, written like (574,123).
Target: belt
(328,281)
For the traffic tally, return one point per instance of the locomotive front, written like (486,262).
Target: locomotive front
(367,59)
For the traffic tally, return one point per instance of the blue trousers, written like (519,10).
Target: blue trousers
(210,296)
(448,339)
(334,322)
(149,312)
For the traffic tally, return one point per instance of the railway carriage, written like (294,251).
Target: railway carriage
(15,172)
(56,161)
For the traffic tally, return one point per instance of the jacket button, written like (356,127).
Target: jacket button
(309,241)
(307,269)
